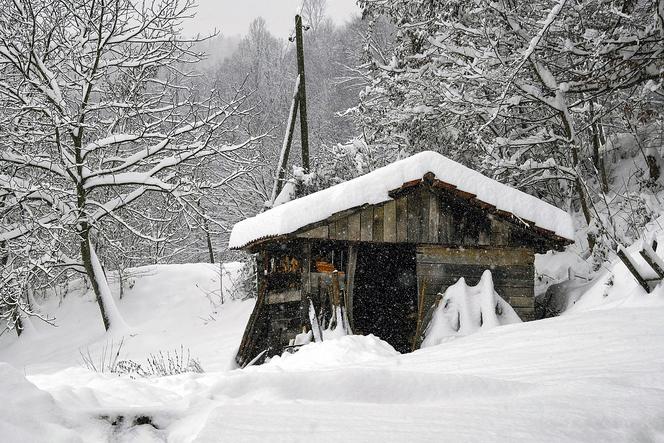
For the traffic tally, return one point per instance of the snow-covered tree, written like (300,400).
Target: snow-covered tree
(99,115)
(521,90)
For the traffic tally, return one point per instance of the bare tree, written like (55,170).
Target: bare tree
(100,115)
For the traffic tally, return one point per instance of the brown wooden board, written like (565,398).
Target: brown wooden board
(500,232)
(445,223)
(366,224)
(424,204)
(402,219)
(480,256)
(414,214)
(342,229)
(320,232)
(390,221)
(434,217)
(332,230)
(377,228)
(449,270)
(354,227)
(276,297)
(522,302)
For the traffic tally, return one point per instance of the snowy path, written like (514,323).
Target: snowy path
(589,375)
(594,376)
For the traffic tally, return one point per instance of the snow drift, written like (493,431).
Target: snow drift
(457,391)
(464,310)
(28,413)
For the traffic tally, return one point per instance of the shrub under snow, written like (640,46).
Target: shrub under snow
(464,310)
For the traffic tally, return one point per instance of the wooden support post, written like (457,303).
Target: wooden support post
(350,283)
(304,128)
(248,343)
(632,268)
(336,297)
(420,314)
(305,283)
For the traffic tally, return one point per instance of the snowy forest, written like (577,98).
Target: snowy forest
(130,149)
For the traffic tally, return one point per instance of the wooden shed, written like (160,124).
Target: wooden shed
(384,245)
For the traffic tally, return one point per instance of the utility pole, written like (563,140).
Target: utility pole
(299,102)
(304,128)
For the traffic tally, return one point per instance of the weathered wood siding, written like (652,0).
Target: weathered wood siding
(423,216)
(512,270)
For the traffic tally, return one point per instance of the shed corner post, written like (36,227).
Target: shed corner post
(305,284)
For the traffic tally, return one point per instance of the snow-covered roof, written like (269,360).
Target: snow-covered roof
(373,188)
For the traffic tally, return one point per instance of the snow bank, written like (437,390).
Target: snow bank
(464,310)
(373,188)
(615,287)
(537,381)
(29,414)
(166,305)
(342,351)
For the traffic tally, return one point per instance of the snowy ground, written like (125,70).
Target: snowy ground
(593,374)
(167,306)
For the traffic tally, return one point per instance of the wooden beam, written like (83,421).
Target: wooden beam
(414,215)
(652,259)
(629,264)
(402,219)
(366,223)
(354,226)
(377,226)
(434,217)
(390,221)
(342,229)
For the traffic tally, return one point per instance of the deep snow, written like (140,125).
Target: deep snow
(593,374)
(165,306)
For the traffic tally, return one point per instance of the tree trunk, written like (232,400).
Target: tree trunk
(578,186)
(206,229)
(109,311)
(18,324)
(598,142)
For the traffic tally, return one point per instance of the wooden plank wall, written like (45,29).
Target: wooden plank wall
(421,216)
(512,270)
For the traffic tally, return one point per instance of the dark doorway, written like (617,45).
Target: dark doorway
(385,294)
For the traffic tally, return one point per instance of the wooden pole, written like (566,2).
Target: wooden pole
(420,314)
(285,147)
(304,128)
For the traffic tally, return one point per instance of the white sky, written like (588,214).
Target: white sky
(232,17)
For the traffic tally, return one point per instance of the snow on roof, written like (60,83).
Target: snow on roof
(373,188)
